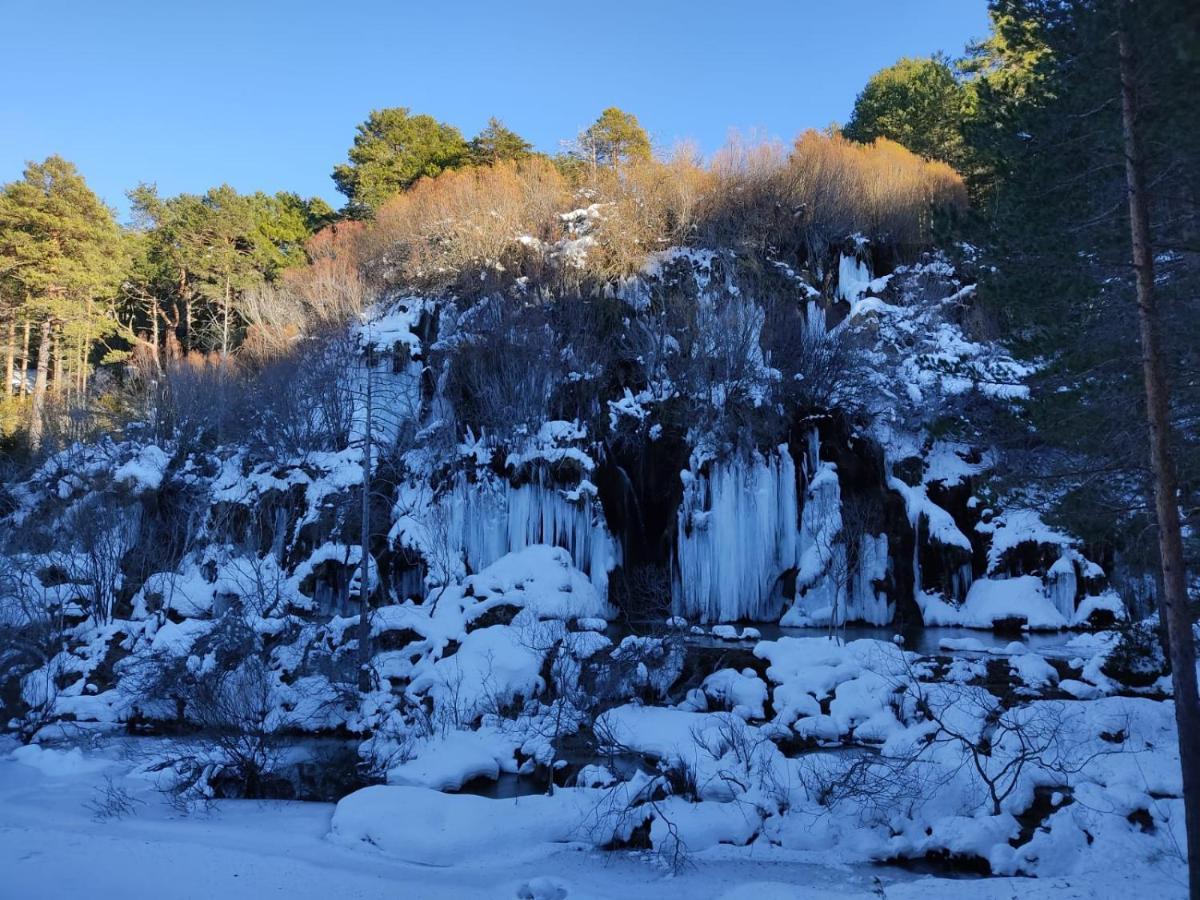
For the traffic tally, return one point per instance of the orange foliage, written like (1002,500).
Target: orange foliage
(471,229)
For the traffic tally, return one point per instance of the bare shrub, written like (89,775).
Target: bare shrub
(196,400)
(111,802)
(304,401)
(504,369)
(102,532)
(823,190)
(465,219)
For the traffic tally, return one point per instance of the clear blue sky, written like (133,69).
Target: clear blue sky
(265,95)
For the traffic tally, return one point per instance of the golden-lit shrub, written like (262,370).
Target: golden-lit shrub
(476,229)
(319,296)
(826,188)
(748,201)
(646,206)
(465,219)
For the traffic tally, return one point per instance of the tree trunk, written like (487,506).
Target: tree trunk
(186,296)
(225,318)
(154,334)
(10,362)
(59,358)
(36,425)
(1172,599)
(85,347)
(25,361)
(364,583)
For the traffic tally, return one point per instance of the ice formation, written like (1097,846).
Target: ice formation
(736,537)
(485,520)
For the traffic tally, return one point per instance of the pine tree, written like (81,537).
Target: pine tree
(1087,128)
(915,102)
(496,143)
(61,252)
(392,150)
(200,254)
(613,139)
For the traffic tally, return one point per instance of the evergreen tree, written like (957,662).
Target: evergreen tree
(1070,179)
(61,253)
(615,138)
(392,149)
(915,102)
(496,143)
(199,254)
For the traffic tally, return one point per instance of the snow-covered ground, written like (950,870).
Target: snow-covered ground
(51,845)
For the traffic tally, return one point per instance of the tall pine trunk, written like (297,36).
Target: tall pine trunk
(1172,599)
(225,316)
(36,423)
(10,362)
(25,360)
(154,337)
(186,296)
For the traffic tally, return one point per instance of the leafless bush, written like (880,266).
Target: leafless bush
(819,368)
(960,729)
(826,188)
(112,802)
(503,370)
(196,401)
(225,692)
(33,633)
(102,531)
(304,401)
(877,786)
(466,219)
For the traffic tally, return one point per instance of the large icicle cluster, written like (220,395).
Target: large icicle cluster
(736,537)
(486,520)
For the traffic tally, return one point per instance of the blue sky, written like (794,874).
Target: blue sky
(265,94)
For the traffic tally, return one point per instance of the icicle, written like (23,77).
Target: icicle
(865,604)
(487,522)
(1062,585)
(736,537)
(854,277)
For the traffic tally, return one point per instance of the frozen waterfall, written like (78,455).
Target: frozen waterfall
(736,536)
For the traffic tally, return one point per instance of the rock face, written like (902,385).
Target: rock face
(733,456)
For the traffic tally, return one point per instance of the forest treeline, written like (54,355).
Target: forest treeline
(231,278)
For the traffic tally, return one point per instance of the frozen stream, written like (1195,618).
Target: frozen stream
(917,638)
(51,846)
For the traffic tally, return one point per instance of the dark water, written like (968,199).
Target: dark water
(917,638)
(925,641)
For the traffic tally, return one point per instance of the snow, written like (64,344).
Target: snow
(484,521)
(742,692)
(693,827)
(145,471)
(185,592)
(430,828)
(940,524)
(56,763)
(491,668)
(448,762)
(1033,670)
(247,850)
(1014,527)
(415,841)
(854,279)
(991,600)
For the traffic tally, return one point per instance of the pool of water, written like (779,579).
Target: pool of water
(917,638)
